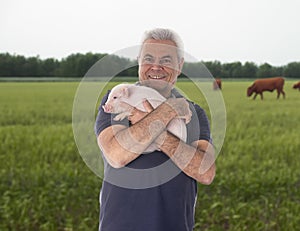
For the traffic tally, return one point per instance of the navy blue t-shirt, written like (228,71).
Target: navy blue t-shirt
(150,193)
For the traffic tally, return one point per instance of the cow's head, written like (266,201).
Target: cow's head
(250,91)
(296,85)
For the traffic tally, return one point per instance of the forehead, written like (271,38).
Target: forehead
(159,48)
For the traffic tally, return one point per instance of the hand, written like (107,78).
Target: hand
(181,107)
(136,115)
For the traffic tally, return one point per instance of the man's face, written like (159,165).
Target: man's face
(159,64)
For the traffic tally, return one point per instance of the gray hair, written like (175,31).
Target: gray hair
(165,34)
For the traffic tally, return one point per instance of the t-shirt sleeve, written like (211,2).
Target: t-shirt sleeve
(105,120)
(203,124)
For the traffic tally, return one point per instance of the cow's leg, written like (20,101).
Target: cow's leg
(283,93)
(261,96)
(255,96)
(278,93)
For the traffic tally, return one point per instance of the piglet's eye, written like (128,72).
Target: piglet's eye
(114,97)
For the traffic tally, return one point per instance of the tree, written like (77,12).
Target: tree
(214,67)
(77,65)
(227,70)
(236,71)
(6,65)
(249,70)
(292,70)
(32,67)
(265,70)
(49,67)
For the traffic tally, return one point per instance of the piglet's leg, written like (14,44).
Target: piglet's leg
(122,116)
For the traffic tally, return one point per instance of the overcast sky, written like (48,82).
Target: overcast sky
(225,30)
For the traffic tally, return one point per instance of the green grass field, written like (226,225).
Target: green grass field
(45,185)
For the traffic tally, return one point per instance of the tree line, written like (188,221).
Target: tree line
(77,65)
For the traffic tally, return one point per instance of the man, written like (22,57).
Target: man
(154,191)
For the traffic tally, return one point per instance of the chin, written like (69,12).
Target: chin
(157,84)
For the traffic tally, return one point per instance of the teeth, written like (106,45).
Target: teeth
(156,77)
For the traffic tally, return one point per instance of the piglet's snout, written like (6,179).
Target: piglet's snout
(107,108)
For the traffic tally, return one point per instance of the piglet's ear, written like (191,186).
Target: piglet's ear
(125,91)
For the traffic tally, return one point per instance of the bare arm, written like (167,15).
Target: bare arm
(196,160)
(121,144)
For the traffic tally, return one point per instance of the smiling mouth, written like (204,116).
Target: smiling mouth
(156,77)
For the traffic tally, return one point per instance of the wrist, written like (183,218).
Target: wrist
(166,112)
(159,141)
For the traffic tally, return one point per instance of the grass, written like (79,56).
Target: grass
(45,185)
(257,182)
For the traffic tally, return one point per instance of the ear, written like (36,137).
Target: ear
(125,91)
(181,62)
(180,65)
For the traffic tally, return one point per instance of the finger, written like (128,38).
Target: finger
(133,110)
(133,115)
(148,107)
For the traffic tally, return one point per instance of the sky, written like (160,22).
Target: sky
(259,31)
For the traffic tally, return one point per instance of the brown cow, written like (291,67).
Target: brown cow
(297,85)
(268,84)
(217,84)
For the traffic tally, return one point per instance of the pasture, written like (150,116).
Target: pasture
(45,185)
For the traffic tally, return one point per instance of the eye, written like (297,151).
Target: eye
(165,61)
(148,59)
(115,97)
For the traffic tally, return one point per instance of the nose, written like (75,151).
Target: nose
(156,66)
(107,108)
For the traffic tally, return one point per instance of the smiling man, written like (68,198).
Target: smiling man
(160,60)
(154,191)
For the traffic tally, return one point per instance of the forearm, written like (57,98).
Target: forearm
(139,136)
(115,153)
(122,144)
(197,160)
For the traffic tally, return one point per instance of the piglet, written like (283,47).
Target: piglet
(134,95)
